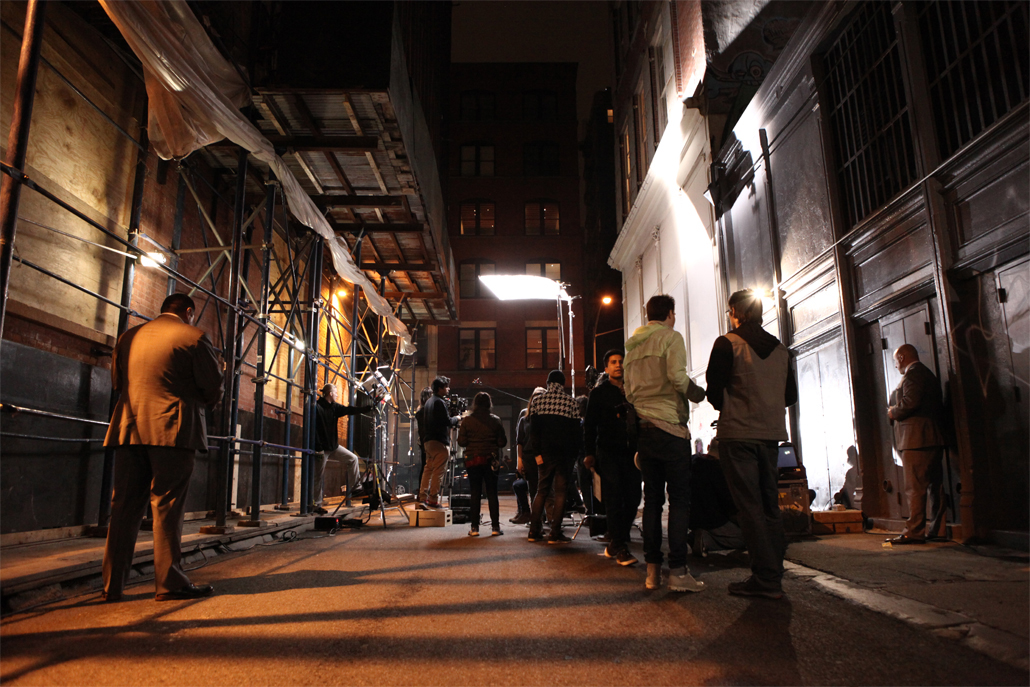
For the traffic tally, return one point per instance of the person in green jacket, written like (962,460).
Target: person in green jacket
(658,387)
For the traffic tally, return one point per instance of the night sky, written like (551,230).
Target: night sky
(566,31)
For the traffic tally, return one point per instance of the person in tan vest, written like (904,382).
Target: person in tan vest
(916,411)
(165,372)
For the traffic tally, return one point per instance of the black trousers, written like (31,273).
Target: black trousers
(479,477)
(554,480)
(620,492)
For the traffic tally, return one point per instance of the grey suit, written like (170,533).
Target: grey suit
(918,410)
(166,372)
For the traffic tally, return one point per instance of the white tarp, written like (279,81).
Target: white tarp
(194,99)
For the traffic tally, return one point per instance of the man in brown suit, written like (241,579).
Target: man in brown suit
(166,371)
(916,410)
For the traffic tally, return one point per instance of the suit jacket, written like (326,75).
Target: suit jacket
(166,372)
(918,409)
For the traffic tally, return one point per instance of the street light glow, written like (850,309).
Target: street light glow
(606,300)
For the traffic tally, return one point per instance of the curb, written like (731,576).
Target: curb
(990,641)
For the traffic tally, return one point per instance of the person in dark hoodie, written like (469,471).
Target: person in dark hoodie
(750,381)
(608,452)
(481,434)
(556,436)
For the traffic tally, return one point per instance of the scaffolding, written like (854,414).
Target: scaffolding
(280,321)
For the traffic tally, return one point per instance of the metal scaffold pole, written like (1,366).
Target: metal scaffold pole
(260,379)
(18,141)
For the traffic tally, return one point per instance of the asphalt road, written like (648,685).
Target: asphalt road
(432,606)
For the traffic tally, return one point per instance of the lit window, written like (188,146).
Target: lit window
(477,349)
(542,348)
(551,270)
(477,218)
(542,217)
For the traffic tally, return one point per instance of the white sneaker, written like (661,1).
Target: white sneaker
(680,580)
(654,576)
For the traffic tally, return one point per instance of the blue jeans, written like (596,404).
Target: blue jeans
(752,476)
(665,466)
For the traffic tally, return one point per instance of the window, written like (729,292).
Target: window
(658,104)
(477,218)
(978,65)
(640,129)
(542,217)
(540,106)
(551,270)
(540,159)
(469,273)
(869,113)
(477,349)
(477,106)
(477,160)
(542,348)
(626,173)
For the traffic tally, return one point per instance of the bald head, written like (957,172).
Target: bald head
(905,356)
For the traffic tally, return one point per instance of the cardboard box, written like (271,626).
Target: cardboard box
(837,522)
(429,518)
(794,507)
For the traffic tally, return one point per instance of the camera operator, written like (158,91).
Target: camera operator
(437,437)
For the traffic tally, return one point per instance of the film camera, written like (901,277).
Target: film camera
(456,405)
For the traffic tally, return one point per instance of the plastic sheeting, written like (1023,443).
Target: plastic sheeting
(194,99)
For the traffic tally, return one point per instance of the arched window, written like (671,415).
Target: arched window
(469,271)
(477,160)
(477,218)
(543,218)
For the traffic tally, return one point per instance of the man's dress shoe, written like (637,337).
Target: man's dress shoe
(191,591)
(903,540)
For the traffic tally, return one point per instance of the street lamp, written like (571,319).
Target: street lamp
(604,301)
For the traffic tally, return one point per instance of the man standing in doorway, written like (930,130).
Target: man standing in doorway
(437,437)
(916,411)
(165,372)
(751,381)
(659,388)
(608,452)
(327,443)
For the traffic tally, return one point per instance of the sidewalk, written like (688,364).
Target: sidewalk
(977,595)
(36,573)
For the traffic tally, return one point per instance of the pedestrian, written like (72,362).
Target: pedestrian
(327,445)
(525,487)
(608,452)
(658,387)
(556,435)
(481,434)
(750,382)
(437,440)
(916,412)
(165,372)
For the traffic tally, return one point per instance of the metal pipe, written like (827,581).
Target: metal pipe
(180,210)
(222,481)
(9,408)
(128,278)
(42,438)
(311,369)
(355,298)
(287,432)
(72,284)
(261,379)
(18,141)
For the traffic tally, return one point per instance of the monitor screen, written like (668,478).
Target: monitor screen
(787,458)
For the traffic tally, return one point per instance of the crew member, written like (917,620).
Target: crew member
(327,444)
(437,439)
